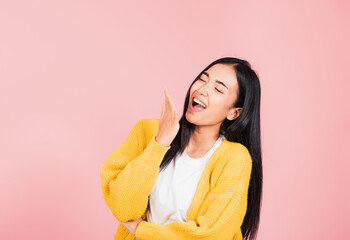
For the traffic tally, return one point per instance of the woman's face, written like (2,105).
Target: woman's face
(217,88)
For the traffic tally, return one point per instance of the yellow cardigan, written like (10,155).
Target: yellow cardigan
(218,206)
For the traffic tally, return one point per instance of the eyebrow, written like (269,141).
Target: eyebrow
(223,84)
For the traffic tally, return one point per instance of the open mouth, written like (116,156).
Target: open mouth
(197,105)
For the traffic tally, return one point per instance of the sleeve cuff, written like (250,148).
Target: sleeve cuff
(145,231)
(156,151)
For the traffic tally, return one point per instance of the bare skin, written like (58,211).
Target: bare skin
(219,99)
(168,121)
(132,225)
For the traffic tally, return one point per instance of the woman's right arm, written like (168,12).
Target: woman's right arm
(130,172)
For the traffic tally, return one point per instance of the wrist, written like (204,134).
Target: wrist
(161,142)
(135,227)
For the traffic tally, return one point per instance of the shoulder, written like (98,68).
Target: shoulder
(147,127)
(149,121)
(148,124)
(234,163)
(238,153)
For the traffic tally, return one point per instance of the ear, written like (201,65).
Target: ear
(234,114)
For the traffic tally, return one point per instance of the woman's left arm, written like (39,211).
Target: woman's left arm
(221,213)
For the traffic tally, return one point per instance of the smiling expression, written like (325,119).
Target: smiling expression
(217,89)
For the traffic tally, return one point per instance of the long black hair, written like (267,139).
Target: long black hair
(245,129)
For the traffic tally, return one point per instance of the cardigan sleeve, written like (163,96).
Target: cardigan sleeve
(221,213)
(129,173)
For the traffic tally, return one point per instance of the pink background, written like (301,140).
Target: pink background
(77,75)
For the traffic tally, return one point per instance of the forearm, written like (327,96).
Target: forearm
(126,192)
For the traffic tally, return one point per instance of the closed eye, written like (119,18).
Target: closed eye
(215,88)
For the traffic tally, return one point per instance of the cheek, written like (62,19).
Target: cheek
(219,105)
(194,87)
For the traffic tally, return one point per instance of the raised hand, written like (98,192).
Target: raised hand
(168,122)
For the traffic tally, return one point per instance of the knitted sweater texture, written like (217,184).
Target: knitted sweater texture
(219,203)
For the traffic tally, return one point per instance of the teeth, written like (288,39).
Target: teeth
(197,101)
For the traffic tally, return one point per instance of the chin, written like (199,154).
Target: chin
(191,119)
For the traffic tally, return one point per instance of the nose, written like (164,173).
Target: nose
(203,91)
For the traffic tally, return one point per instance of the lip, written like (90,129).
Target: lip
(199,100)
(195,109)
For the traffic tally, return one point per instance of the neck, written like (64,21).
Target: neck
(203,137)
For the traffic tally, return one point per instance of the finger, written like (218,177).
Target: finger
(173,107)
(171,104)
(170,100)
(167,96)
(162,113)
(167,101)
(175,113)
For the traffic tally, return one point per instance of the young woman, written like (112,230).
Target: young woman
(212,189)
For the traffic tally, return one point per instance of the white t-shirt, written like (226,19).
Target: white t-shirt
(174,189)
